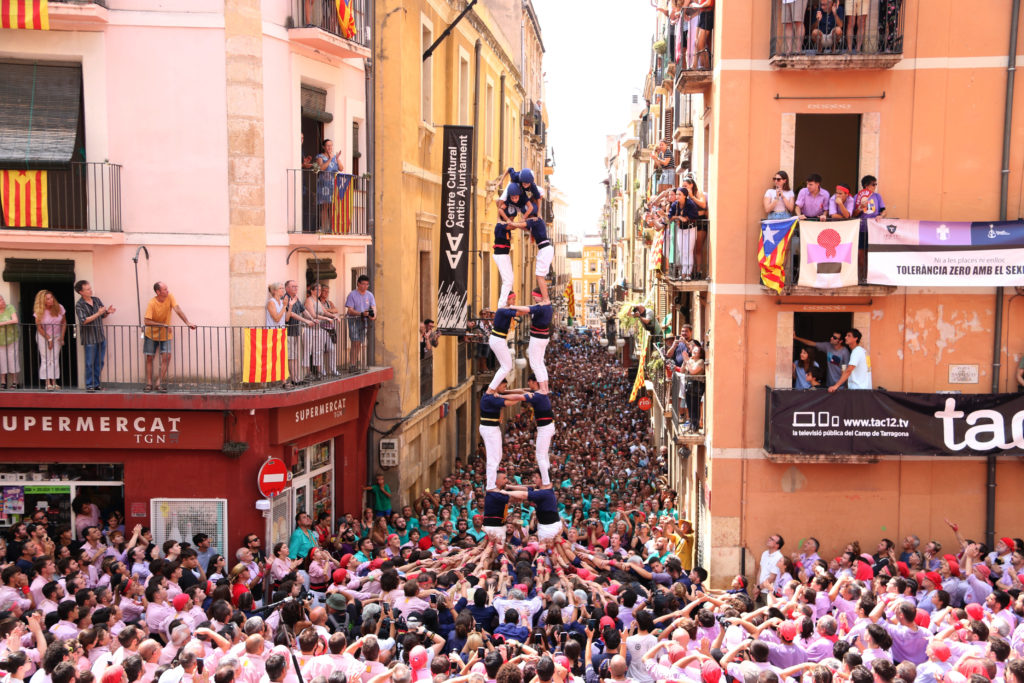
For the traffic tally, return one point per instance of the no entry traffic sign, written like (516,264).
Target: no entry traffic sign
(273,477)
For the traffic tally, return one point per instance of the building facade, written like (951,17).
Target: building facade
(895,104)
(206,183)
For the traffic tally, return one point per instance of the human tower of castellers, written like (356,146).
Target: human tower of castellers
(518,209)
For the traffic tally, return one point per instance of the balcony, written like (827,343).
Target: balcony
(873,42)
(78,197)
(863,288)
(686,255)
(207,360)
(327,203)
(426,378)
(695,63)
(316,24)
(677,394)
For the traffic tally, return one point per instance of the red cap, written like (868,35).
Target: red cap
(585,574)
(478,518)
(607,621)
(710,672)
(920,577)
(940,650)
(922,618)
(904,569)
(788,631)
(954,567)
(676,652)
(180,600)
(864,571)
(345,559)
(376,564)
(339,575)
(418,662)
(563,661)
(983,569)
(934,578)
(1009,543)
(975,611)
(390,536)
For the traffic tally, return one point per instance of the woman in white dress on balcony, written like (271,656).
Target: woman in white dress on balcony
(10,332)
(51,325)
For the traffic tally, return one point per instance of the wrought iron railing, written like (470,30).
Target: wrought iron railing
(689,45)
(79,196)
(874,33)
(201,360)
(324,14)
(686,250)
(792,258)
(329,203)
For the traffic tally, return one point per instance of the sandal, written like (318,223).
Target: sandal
(160,389)
(148,388)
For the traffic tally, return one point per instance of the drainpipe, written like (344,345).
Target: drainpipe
(370,82)
(1011,67)
(474,180)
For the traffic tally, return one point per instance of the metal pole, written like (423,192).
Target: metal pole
(138,296)
(474,305)
(268,515)
(371,167)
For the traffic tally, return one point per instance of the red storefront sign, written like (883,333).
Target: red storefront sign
(308,418)
(111,429)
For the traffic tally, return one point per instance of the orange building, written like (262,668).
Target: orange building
(918,101)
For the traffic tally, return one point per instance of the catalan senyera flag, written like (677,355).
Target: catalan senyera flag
(641,338)
(570,300)
(346,18)
(657,249)
(771,251)
(341,205)
(23,196)
(29,14)
(265,355)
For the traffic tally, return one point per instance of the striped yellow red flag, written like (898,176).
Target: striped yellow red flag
(642,338)
(346,18)
(570,303)
(265,355)
(30,14)
(23,196)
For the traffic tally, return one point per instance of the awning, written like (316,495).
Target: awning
(39,108)
(39,270)
(326,270)
(313,104)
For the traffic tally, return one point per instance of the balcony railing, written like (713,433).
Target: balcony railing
(869,39)
(691,51)
(680,393)
(208,359)
(426,378)
(81,196)
(686,250)
(101,3)
(323,14)
(327,203)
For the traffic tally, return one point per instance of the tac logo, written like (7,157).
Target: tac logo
(809,418)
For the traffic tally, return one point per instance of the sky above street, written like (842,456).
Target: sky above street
(596,57)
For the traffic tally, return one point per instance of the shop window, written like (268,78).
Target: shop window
(57,488)
(180,519)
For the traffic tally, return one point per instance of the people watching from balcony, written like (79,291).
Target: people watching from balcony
(296,320)
(10,356)
(91,313)
(793,26)
(806,370)
(862,18)
(276,309)
(779,201)
(868,203)
(837,356)
(328,166)
(812,200)
(840,206)
(330,331)
(705,24)
(694,367)
(429,337)
(361,308)
(692,193)
(664,165)
(159,335)
(857,373)
(51,326)
(313,337)
(828,35)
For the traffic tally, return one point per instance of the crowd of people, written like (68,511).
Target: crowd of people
(680,214)
(423,593)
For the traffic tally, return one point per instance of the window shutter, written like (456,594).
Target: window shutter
(180,519)
(39,108)
(314,104)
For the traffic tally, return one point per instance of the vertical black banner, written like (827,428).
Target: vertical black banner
(453,265)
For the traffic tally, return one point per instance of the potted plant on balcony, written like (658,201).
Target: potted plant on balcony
(660,46)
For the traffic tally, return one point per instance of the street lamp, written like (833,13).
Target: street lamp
(611,350)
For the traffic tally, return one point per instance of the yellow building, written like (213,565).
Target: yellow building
(485,73)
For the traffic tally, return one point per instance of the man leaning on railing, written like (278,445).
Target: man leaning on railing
(158,335)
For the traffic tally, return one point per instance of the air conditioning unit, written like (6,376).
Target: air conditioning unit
(388,453)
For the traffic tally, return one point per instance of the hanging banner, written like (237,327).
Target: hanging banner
(453,265)
(945,254)
(642,338)
(853,422)
(828,254)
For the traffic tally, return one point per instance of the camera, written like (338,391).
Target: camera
(400,624)
(385,624)
(370,312)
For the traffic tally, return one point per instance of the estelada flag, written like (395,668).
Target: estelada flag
(23,196)
(30,14)
(346,18)
(341,205)
(828,253)
(771,251)
(265,355)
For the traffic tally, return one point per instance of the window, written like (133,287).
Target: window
(180,519)
(426,287)
(489,119)
(593,288)
(593,266)
(426,75)
(463,90)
